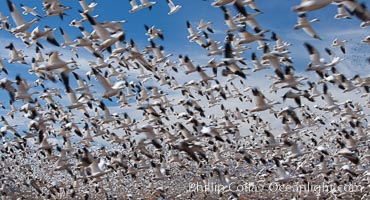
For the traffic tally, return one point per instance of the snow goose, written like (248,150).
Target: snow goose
(134,6)
(173,8)
(203,25)
(47,33)
(21,25)
(67,41)
(247,37)
(147,4)
(7,127)
(260,101)
(87,8)
(229,21)
(283,176)
(107,40)
(317,63)
(28,10)
(342,13)
(158,53)
(74,103)
(331,104)
(109,90)
(311,5)
(340,44)
(108,117)
(153,32)
(55,62)
(359,10)
(15,55)
(193,35)
(366,40)
(257,64)
(252,4)
(304,24)
(150,135)
(2,66)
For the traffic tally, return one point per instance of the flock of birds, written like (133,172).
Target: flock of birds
(127,129)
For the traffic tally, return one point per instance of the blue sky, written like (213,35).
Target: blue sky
(276,16)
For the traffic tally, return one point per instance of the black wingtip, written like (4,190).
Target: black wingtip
(309,47)
(10,5)
(188,25)
(53,41)
(61,30)
(91,19)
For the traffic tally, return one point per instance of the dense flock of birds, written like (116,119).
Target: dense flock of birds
(127,129)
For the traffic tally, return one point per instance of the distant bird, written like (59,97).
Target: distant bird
(21,25)
(109,90)
(147,4)
(340,44)
(203,25)
(311,5)
(257,64)
(366,40)
(304,24)
(16,55)
(87,8)
(173,8)
(153,33)
(317,63)
(261,101)
(193,35)
(27,10)
(134,6)
(252,4)
(342,13)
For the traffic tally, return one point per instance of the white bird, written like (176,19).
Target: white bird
(366,40)
(340,44)
(257,64)
(190,68)
(7,127)
(173,8)
(252,4)
(134,6)
(304,24)
(247,37)
(229,21)
(22,90)
(109,90)
(16,55)
(317,63)
(147,4)
(108,117)
(193,35)
(260,101)
(67,41)
(27,10)
(74,103)
(203,25)
(47,33)
(87,8)
(21,25)
(56,63)
(311,5)
(107,40)
(153,33)
(342,13)
(283,176)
